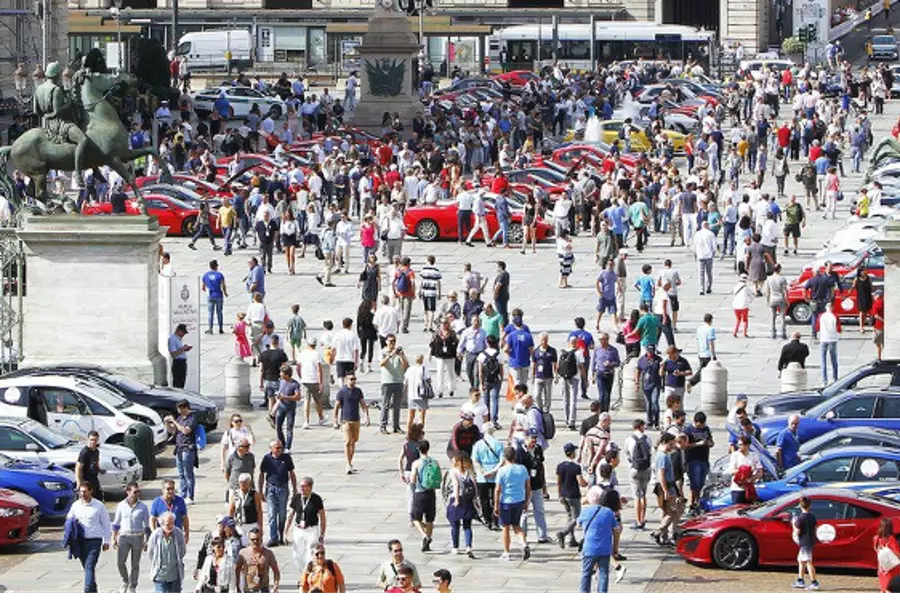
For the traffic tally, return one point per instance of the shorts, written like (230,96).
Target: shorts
(607,305)
(674,304)
(511,514)
(879,337)
(351,431)
(311,392)
(805,554)
(792,230)
(697,472)
(418,404)
(424,506)
(296,343)
(640,481)
(429,303)
(344,368)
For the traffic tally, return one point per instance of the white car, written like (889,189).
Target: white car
(74,407)
(855,238)
(28,439)
(241,100)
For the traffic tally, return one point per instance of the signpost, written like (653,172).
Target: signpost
(179,302)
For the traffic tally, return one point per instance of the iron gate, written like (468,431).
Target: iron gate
(12,267)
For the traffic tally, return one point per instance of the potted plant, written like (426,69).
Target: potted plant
(793,48)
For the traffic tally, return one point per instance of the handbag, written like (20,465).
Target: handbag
(620,338)
(887,559)
(426,390)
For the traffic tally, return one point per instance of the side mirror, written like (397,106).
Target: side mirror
(802,479)
(830,415)
(32,447)
(784,517)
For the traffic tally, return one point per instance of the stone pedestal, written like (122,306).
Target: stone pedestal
(714,389)
(91,293)
(237,383)
(793,378)
(386,66)
(632,395)
(891,246)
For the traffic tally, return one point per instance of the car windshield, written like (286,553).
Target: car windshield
(760,510)
(836,387)
(47,437)
(127,383)
(883,40)
(104,395)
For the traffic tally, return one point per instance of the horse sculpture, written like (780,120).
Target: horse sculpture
(35,155)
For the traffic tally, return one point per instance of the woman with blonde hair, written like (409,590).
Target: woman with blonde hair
(461,504)
(419,390)
(236,433)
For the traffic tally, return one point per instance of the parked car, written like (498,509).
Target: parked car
(28,439)
(178,216)
(884,47)
(750,536)
(857,467)
(51,486)
(844,304)
(850,436)
(872,407)
(877,374)
(434,222)
(241,101)
(19,517)
(74,407)
(163,400)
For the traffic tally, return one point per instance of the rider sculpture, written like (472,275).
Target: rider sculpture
(59,117)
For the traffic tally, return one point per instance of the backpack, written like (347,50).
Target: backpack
(468,492)
(401,281)
(490,369)
(431,474)
(549,424)
(640,456)
(568,364)
(426,390)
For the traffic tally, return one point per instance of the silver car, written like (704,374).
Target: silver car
(884,47)
(28,439)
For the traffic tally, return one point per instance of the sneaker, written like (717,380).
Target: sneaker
(814,586)
(349,470)
(799,584)
(573,544)
(454,551)
(424,544)
(527,552)
(561,539)
(505,556)
(620,557)
(208,332)
(188,501)
(470,553)
(125,588)
(323,421)
(306,425)
(620,573)
(637,525)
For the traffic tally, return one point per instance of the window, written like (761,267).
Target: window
(830,471)
(876,469)
(857,407)
(859,512)
(828,510)
(890,407)
(874,380)
(13,440)
(62,401)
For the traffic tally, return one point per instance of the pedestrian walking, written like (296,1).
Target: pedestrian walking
(599,524)
(461,504)
(203,228)
(278,481)
(270,362)
(166,548)
(604,363)
(404,286)
(393,368)
(638,450)
(169,501)
(569,482)
(696,456)
(347,417)
(829,335)
(88,514)
(253,566)
(568,368)
(667,493)
(706,348)
(648,379)
(512,494)
(776,297)
(306,523)
(443,349)
(804,531)
(185,429)
(428,477)
(246,506)
(741,297)
(87,467)
(213,282)
(311,370)
(389,571)
(286,399)
(131,528)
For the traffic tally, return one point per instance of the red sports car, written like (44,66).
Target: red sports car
(845,304)
(19,516)
(178,216)
(740,538)
(438,221)
(516,78)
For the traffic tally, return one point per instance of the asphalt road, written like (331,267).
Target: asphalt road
(854,43)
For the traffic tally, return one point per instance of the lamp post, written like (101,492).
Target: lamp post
(37,76)
(20,77)
(115,13)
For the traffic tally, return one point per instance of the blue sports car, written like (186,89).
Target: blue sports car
(862,468)
(52,487)
(869,407)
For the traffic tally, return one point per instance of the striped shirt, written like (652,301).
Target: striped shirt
(429,276)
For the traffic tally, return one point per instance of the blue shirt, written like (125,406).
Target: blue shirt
(789,443)
(645,284)
(487,452)
(664,461)
(511,480)
(607,281)
(257,276)
(705,335)
(213,281)
(603,355)
(277,470)
(177,508)
(598,523)
(616,217)
(544,361)
(175,344)
(822,164)
(520,344)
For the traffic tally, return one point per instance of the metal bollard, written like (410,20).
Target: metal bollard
(714,389)
(237,383)
(793,378)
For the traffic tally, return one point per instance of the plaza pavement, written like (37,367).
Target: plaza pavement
(367,509)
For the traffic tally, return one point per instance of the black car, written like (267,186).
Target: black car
(163,400)
(850,436)
(878,374)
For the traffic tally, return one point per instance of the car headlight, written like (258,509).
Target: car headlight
(11,512)
(697,533)
(53,486)
(118,462)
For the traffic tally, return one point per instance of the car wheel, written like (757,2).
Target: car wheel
(189,225)
(427,230)
(275,111)
(800,312)
(734,550)
(516,233)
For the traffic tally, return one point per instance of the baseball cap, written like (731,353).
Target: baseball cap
(533,432)
(741,396)
(569,448)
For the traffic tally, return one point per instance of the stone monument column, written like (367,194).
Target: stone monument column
(91,293)
(891,246)
(386,69)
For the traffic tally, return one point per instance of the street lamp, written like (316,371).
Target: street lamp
(115,13)
(20,77)
(67,82)
(38,76)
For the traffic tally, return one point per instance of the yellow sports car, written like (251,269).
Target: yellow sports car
(639,142)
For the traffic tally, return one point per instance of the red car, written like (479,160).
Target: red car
(178,216)
(438,221)
(740,538)
(869,260)
(19,516)
(844,305)
(516,78)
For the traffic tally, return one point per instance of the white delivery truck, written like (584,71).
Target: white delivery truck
(208,49)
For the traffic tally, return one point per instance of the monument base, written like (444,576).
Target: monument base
(91,293)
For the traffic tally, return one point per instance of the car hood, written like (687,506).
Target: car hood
(765,457)
(13,497)
(713,518)
(770,426)
(786,399)
(36,469)
(197,401)
(111,451)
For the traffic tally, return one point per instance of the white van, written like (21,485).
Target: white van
(757,66)
(74,407)
(206,49)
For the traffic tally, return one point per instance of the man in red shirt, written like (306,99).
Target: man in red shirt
(385,154)
(392,176)
(815,151)
(500,183)
(787,80)
(784,136)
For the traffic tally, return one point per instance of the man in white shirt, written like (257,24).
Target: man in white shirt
(309,370)
(705,251)
(346,349)
(411,185)
(386,319)
(480,210)
(829,334)
(93,518)
(464,201)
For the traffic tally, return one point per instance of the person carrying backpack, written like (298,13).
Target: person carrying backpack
(427,475)
(490,376)
(461,505)
(569,366)
(640,454)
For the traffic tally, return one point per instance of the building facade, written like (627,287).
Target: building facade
(22,38)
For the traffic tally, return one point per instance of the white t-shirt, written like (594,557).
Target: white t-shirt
(737,460)
(479,410)
(308,363)
(345,344)
(413,378)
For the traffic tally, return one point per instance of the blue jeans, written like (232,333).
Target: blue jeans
(651,401)
(90,553)
(502,307)
(284,418)
(167,587)
(814,320)
(227,233)
(463,224)
(826,349)
(587,571)
(492,401)
(184,462)
(467,532)
(604,389)
(697,472)
(276,513)
(540,517)
(215,305)
(502,232)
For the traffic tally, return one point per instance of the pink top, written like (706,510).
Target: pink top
(367,235)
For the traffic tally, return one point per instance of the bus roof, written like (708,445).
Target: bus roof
(605,30)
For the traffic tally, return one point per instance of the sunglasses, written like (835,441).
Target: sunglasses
(397,551)
(320,554)
(401,579)
(352,379)
(238,421)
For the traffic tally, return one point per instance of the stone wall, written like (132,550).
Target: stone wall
(745,22)
(26,48)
